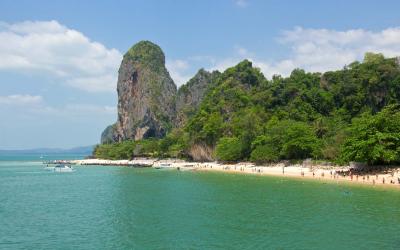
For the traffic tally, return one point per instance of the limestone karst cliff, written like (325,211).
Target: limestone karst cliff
(146,95)
(148,102)
(191,94)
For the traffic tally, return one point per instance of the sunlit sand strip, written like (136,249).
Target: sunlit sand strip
(322,173)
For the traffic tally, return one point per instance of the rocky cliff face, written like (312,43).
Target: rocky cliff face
(146,95)
(191,94)
(109,135)
(148,102)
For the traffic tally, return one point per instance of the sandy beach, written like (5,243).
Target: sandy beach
(322,173)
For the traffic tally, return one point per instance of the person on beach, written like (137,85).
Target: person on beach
(313,174)
(398,180)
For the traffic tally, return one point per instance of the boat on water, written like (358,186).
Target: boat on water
(49,168)
(164,166)
(60,168)
(63,168)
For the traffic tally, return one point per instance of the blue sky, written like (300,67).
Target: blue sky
(59,59)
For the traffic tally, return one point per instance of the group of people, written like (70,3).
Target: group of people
(335,174)
(366,176)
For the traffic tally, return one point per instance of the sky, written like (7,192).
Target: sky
(59,60)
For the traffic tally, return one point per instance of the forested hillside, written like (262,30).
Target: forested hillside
(346,115)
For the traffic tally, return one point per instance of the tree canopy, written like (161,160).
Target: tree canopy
(343,115)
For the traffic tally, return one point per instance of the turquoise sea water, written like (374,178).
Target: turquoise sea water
(127,208)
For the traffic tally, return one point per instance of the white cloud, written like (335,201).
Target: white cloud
(323,49)
(26,104)
(319,50)
(37,123)
(67,54)
(49,48)
(21,100)
(178,70)
(73,110)
(223,64)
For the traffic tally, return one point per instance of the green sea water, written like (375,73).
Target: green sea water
(140,208)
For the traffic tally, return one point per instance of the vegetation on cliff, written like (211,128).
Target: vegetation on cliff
(146,96)
(146,53)
(345,115)
(191,94)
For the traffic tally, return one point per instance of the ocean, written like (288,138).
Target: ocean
(141,208)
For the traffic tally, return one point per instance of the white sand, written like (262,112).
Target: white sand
(322,173)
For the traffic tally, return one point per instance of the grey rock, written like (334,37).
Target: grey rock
(149,104)
(109,135)
(191,94)
(146,95)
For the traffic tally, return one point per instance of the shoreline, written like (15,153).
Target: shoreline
(317,172)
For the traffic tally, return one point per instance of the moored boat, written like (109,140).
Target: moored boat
(164,166)
(49,168)
(63,168)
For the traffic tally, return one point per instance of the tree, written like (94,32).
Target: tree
(285,139)
(299,141)
(247,124)
(264,153)
(296,117)
(229,149)
(374,139)
(370,57)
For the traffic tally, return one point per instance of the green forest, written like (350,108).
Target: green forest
(352,114)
